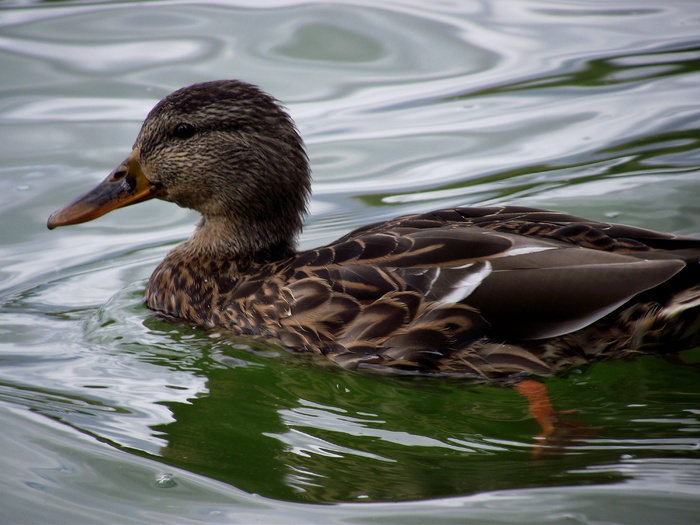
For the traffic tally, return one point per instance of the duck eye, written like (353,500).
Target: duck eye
(184,130)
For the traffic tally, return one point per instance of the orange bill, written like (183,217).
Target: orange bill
(124,186)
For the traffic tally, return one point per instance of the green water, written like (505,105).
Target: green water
(109,415)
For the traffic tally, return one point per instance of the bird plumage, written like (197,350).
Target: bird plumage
(484,292)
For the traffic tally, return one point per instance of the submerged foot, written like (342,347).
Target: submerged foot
(557,431)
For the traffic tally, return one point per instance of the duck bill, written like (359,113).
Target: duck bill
(126,185)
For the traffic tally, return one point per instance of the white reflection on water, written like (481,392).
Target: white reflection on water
(63,109)
(108,58)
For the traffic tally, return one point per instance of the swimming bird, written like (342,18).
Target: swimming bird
(491,293)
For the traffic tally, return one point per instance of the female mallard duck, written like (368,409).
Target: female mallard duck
(483,292)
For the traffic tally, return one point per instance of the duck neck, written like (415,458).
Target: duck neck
(194,276)
(241,246)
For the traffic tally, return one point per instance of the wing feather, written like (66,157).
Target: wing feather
(443,290)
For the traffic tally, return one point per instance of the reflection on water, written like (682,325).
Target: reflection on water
(322,435)
(374,441)
(582,107)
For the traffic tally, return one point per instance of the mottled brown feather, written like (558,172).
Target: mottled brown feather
(372,306)
(486,292)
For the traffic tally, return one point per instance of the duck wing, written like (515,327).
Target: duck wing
(531,274)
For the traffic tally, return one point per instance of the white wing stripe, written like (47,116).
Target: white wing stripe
(526,249)
(468,283)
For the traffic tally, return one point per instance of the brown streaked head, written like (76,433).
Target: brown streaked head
(225,149)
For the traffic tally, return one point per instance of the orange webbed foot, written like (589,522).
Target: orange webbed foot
(541,407)
(556,430)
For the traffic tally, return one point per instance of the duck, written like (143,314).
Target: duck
(497,293)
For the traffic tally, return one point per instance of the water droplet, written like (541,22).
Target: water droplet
(165,481)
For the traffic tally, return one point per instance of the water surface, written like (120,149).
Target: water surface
(111,415)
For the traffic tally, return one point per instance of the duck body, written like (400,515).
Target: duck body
(490,293)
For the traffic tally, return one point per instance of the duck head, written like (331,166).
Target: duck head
(225,149)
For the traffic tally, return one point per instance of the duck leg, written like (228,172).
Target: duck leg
(539,405)
(542,410)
